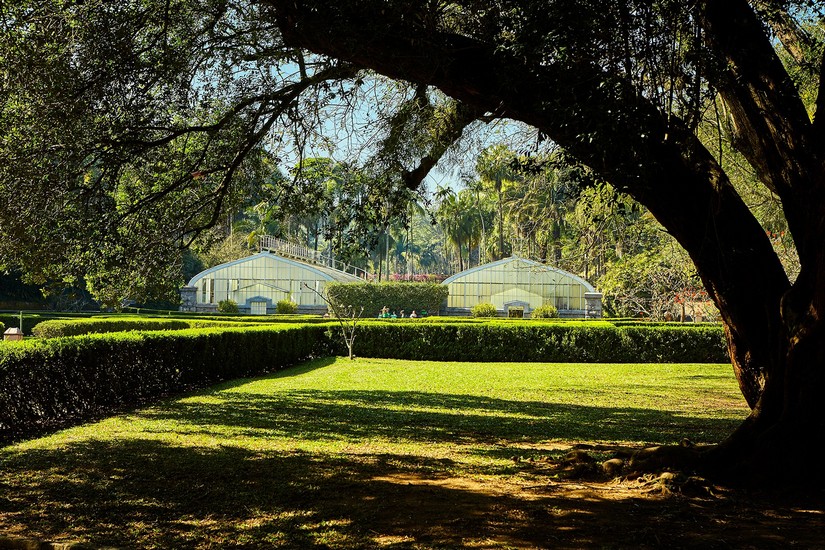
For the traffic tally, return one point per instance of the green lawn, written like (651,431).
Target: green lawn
(302,457)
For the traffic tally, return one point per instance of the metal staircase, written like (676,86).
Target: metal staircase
(307,255)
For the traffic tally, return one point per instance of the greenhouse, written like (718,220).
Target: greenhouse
(258,282)
(517,286)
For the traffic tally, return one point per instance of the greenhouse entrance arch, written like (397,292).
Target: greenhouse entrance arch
(520,284)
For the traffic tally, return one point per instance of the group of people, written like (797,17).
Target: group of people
(387,314)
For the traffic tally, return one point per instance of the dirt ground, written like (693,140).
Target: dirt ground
(560,507)
(642,513)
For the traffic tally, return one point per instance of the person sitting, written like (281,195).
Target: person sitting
(413,315)
(401,314)
(393,315)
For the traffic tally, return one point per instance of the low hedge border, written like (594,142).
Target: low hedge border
(540,342)
(96,325)
(49,383)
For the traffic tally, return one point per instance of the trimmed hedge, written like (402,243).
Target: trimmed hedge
(396,296)
(32,319)
(545,342)
(13,320)
(46,383)
(97,325)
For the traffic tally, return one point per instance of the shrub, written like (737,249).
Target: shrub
(545,311)
(396,296)
(484,310)
(286,307)
(228,306)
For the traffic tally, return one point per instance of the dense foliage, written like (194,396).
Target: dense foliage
(374,297)
(49,382)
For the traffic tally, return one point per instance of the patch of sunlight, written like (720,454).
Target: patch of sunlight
(210,399)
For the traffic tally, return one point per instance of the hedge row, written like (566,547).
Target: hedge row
(13,320)
(395,296)
(50,382)
(562,342)
(32,319)
(97,325)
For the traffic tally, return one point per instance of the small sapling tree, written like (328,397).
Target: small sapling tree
(347,317)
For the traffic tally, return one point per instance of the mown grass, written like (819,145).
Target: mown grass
(294,459)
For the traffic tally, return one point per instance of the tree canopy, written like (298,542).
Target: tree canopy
(139,125)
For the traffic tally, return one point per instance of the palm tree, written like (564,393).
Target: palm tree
(481,201)
(447,216)
(495,167)
(456,214)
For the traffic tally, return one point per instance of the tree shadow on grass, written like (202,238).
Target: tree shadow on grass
(148,494)
(427,418)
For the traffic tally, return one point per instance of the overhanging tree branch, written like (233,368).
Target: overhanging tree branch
(772,124)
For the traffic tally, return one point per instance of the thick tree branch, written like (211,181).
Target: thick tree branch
(819,113)
(463,116)
(771,119)
(793,38)
(773,129)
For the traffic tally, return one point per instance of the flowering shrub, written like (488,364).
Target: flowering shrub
(417,278)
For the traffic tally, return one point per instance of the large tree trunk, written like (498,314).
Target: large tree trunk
(774,331)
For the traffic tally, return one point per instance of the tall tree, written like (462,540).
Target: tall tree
(621,86)
(495,166)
